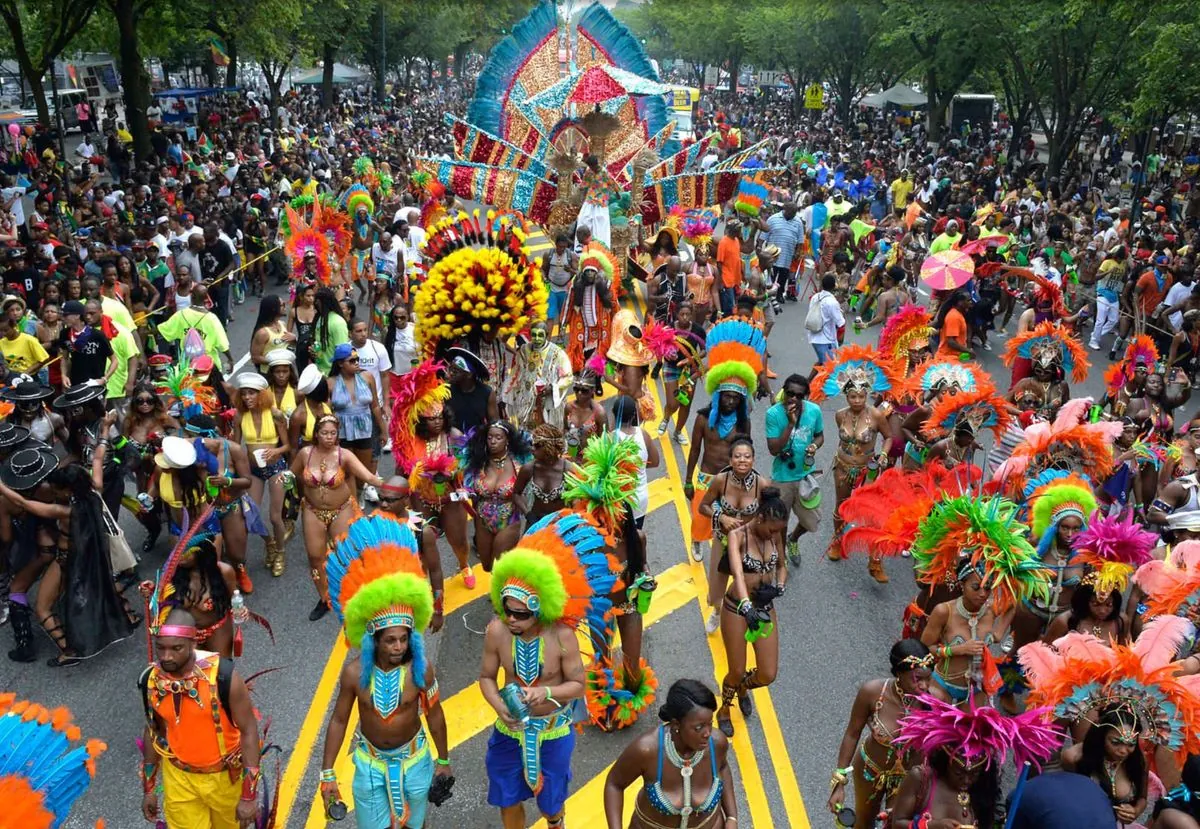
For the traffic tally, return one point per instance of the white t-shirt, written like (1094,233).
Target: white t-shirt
(1178,293)
(17,210)
(385,260)
(831,319)
(162,243)
(405,350)
(373,358)
(412,248)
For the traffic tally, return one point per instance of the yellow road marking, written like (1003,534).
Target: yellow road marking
(468,713)
(581,806)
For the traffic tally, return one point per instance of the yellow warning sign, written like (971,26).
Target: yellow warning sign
(814,97)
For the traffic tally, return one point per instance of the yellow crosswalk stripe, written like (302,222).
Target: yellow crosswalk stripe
(468,713)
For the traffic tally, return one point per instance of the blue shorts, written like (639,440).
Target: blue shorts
(506,775)
(824,352)
(558,299)
(372,802)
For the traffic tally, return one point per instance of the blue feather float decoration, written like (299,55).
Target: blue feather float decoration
(495,81)
(625,52)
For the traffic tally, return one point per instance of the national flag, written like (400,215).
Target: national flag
(220,54)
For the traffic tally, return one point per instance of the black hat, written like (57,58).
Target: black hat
(27,468)
(78,395)
(468,361)
(26,392)
(11,435)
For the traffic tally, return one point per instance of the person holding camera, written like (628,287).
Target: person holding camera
(795,431)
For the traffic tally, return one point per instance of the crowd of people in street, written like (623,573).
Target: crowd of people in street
(1057,562)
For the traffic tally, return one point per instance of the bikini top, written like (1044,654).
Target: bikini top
(545,496)
(865,436)
(750,564)
(502,492)
(751,509)
(311,479)
(659,799)
(879,731)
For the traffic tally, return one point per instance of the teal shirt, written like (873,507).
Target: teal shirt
(807,428)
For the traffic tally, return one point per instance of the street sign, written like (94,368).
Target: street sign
(814,97)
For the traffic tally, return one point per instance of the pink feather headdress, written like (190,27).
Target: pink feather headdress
(660,339)
(979,736)
(1079,675)
(1112,547)
(1172,587)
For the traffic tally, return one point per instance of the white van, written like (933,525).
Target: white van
(67,99)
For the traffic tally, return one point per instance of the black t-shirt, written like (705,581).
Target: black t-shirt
(214,259)
(24,281)
(89,350)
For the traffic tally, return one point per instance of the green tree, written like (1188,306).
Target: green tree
(40,31)
(135,82)
(1167,83)
(784,36)
(275,41)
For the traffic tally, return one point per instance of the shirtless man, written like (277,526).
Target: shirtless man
(359,264)
(891,298)
(392,754)
(542,657)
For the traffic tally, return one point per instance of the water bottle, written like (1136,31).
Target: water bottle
(237,608)
(146,501)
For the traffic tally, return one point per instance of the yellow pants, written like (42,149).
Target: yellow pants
(199,801)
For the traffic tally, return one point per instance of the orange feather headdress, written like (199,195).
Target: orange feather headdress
(1172,587)
(1050,343)
(976,410)
(1069,443)
(855,368)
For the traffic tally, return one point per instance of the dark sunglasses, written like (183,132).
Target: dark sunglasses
(387,499)
(518,615)
(789,393)
(351,359)
(141,400)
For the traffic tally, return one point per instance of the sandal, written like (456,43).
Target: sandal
(725,724)
(63,659)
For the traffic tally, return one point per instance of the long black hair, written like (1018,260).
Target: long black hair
(904,649)
(269,310)
(1092,758)
(983,792)
(389,336)
(326,303)
(477,451)
(211,580)
(1080,609)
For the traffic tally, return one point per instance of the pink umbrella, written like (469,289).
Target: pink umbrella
(947,270)
(981,245)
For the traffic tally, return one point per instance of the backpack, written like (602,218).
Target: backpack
(814,322)
(193,343)
(224,684)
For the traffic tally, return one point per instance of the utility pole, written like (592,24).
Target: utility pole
(382,50)
(58,123)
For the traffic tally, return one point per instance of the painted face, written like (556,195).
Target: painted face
(915,681)
(537,337)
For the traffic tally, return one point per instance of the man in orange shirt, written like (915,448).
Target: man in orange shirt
(199,720)
(729,257)
(1151,290)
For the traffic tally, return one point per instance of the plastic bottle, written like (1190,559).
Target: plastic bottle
(237,607)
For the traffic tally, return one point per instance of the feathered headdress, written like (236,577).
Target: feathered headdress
(1050,343)
(883,517)
(661,340)
(1141,351)
(363,165)
(596,256)
(606,479)
(334,225)
(1112,547)
(855,368)
(1047,294)
(945,375)
(973,410)
(561,570)
(357,196)
(41,773)
(976,534)
(480,279)
(1053,496)
(1172,587)
(433,477)
(420,393)
(736,357)
(180,385)
(750,196)
(978,736)
(301,240)
(160,593)
(909,329)
(1069,443)
(376,581)
(1080,674)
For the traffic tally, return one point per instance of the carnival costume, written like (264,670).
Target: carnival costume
(41,773)
(970,411)
(199,747)
(304,238)
(357,197)
(1052,497)
(633,343)
(906,332)
(561,571)
(736,356)
(479,280)
(1049,344)
(936,376)
(376,582)
(1172,587)
(1068,443)
(1141,352)
(605,487)
(1080,677)
(547,368)
(588,321)
(1112,548)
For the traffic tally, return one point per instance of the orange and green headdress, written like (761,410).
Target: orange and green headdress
(605,482)
(969,535)
(907,330)
(480,279)
(969,410)
(1112,548)
(1052,496)
(376,581)
(303,240)
(420,393)
(855,368)
(42,772)
(561,570)
(1050,344)
(357,196)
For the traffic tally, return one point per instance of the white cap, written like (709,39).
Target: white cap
(310,378)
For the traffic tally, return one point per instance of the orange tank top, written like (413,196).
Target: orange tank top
(198,731)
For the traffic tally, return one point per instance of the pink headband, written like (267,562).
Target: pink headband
(180,631)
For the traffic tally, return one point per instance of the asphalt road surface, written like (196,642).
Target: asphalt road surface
(835,624)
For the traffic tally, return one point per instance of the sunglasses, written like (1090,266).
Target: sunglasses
(352,360)
(518,615)
(388,499)
(789,393)
(142,400)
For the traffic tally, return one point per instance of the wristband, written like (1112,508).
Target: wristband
(744,605)
(442,761)
(328,776)
(438,603)
(550,697)
(149,777)
(251,776)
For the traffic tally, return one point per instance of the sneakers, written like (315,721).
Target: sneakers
(243,580)
(681,438)
(371,494)
(1094,346)
(875,568)
(697,552)
(793,552)
(987,346)
(663,425)
(714,622)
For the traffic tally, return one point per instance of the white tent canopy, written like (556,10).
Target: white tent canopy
(898,95)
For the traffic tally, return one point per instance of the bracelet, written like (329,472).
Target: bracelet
(442,761)
(743,605)
(438,603)
(550,697)
(149,776)
(328,776)
(251,776)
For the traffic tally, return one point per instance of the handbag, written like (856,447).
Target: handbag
(120,554)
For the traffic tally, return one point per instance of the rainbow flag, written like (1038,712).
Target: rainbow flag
(220,54)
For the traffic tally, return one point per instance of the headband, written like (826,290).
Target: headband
(523,594)
(327,418)
(917,663)
(396,616)
(180,631)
